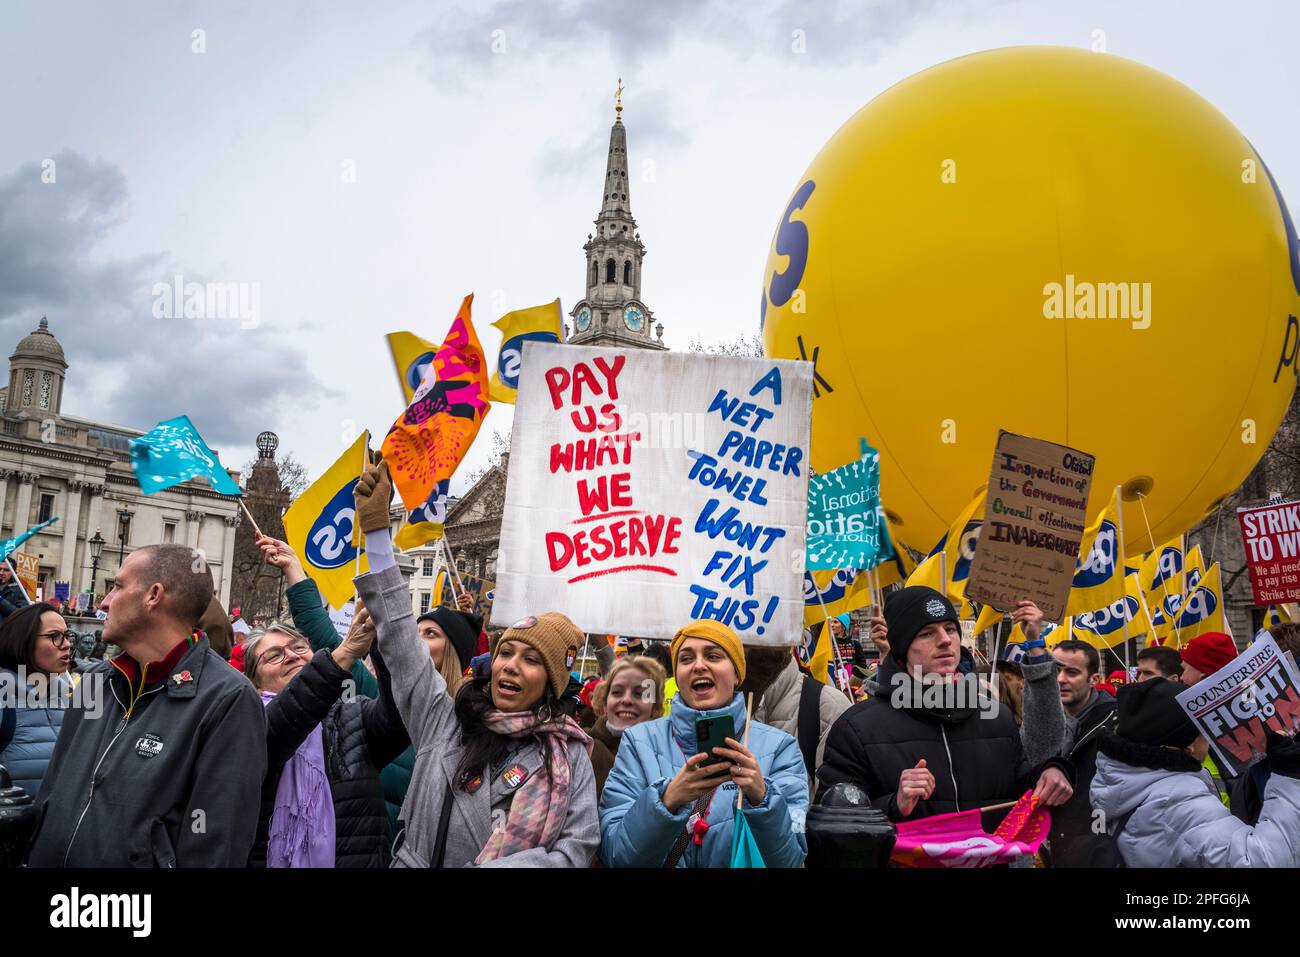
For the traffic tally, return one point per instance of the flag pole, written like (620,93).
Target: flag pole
(835,646)
(19,582)
(451,562)
(943,573)
(357,534)
(1119,570)
(240,500)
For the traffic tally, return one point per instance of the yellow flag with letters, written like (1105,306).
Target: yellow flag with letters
(412,358)
(1098,577)
(1201,612)
(1105,627)
(321,527)
(958,546)
(534,324)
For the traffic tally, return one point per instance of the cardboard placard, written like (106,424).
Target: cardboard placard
(1256,690)
(483,591)
(1270,535)
(1033,525)
(29,572)
(650,489)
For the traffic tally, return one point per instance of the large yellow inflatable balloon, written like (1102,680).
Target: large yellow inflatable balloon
(1064,244)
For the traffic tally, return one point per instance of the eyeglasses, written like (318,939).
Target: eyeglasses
(60,638)
(276,655)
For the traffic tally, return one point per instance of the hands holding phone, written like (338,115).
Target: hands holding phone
(697,778)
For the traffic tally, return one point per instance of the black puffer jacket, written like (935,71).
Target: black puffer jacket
(1073,842)
(361,736)
(976,760)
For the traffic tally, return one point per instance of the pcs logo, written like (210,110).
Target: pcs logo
(1099,564)
(512,353)
(329,542)
(1108,620)
(791,241)
(418,369)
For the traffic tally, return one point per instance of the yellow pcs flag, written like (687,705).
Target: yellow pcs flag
(321,525)
(1098,577)
(412,359)
(1162,570)
(958,545)
(534,324)
(1105,627)
(1193,569)
(1202,611)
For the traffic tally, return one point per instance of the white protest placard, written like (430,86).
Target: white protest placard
(650,489)
(1256,690)
(342,618)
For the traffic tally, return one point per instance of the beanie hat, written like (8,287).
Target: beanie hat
(555,638)
(845,620)
(1149,713)
(720,635)
(237,657)
(458,629)
(1210,652)
(910,609)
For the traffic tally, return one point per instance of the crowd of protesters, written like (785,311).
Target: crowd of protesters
(416,741)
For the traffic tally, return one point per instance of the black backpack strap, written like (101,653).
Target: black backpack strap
(810,722)
(444,819)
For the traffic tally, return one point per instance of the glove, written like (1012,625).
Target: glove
(1283,755)
(373,492)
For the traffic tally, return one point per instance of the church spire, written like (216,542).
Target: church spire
(612,312)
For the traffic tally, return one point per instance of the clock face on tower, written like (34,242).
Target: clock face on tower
(634,317)
(583,319)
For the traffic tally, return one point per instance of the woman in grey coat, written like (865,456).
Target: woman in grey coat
(502,776)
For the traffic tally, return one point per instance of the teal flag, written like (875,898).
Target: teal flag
(173,452)
(10,545)
(846,522)
(744,849)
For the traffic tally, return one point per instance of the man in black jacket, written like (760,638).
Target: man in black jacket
(162,765)
(923,745)
(12,596)
(1074,839)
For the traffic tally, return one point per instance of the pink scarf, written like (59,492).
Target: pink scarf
(537,812)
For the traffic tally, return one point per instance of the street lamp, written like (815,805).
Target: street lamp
(123,530)
(96,549)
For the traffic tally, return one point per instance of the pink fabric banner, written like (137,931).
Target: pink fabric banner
(959,840)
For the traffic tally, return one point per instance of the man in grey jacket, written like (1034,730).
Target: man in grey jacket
(162,765)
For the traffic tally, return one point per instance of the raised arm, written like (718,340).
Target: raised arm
(419,692)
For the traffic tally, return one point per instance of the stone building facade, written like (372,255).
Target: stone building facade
(53,463)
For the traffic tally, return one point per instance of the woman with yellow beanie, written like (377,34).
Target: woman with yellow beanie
(663,806)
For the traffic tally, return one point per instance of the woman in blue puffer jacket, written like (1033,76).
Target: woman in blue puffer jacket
(35,653)
(663,807)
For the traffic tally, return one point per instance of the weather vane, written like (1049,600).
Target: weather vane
(618,100)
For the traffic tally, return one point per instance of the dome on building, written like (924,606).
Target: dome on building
(40,344)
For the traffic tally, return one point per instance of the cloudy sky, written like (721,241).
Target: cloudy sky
(363,166)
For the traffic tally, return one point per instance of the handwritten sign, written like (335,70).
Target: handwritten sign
(483,591)
(651,489)
(1033,525)
(1270,535)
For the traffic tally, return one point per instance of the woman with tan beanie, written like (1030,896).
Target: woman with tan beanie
(502,776)
(663,806)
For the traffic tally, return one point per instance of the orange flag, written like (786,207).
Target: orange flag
(429,440)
